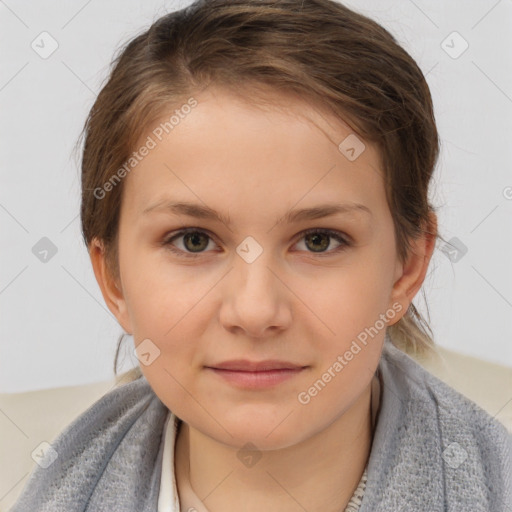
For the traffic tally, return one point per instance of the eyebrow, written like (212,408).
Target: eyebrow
(204,212)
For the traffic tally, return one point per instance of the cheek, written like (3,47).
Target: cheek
(342,377)
(161,295)
(349,299)
(351,315)
(173,373)
(355,321)
(166,322)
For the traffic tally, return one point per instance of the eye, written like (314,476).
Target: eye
(318,240)
(195,241)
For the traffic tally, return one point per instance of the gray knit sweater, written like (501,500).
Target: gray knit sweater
(433,451)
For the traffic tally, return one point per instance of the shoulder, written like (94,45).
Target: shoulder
(122,430)
(424,380)
(433,445)
(487,384)
(466,432)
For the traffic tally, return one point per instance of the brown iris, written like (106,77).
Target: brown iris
(316,238)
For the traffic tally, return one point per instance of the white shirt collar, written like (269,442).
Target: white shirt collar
(168,500)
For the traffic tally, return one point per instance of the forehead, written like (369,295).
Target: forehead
(283,146)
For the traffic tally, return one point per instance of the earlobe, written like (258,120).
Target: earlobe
(110,289)
(414,269)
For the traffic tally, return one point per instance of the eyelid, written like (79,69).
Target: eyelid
(341,237)
(334,233)
(170,237)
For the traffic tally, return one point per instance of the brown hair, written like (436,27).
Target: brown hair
(318,50)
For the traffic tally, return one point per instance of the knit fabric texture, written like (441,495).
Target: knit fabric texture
(433,449)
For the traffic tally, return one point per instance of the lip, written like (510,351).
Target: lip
(256,380)
(256,375)
(244,365)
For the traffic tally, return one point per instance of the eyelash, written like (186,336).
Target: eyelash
(345,243)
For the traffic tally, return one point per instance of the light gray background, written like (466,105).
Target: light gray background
(55,327)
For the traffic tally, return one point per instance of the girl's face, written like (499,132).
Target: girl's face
(253,286)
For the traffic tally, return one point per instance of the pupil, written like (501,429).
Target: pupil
(194,237)
(315,237)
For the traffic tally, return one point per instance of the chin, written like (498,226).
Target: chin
(268,434)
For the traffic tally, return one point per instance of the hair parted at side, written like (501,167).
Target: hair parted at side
(318,50)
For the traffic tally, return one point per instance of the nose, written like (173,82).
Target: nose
(256,302)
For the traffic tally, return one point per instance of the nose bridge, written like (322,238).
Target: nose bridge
(255,296)
(255,299)
(252,269)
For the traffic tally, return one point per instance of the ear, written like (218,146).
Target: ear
(410,275)
(110,289)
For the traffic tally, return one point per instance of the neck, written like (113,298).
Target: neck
(318,474)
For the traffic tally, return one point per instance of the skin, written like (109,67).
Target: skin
(292,303)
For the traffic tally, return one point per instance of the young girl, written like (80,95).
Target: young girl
(255,205)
